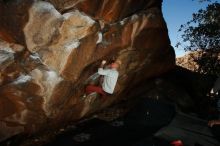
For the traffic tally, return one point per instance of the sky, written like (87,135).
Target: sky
(177,12)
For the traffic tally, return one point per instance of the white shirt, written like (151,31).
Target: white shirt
(110,79)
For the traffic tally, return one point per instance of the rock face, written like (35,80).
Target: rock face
(48,50)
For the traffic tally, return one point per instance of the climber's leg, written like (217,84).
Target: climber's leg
(92,88)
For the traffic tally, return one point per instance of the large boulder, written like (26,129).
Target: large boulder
(49,49)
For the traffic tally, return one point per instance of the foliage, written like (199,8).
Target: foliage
(202,33)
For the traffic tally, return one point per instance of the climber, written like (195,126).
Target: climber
(110,76)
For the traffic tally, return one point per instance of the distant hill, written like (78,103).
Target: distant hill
(187,61)
(206,62)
